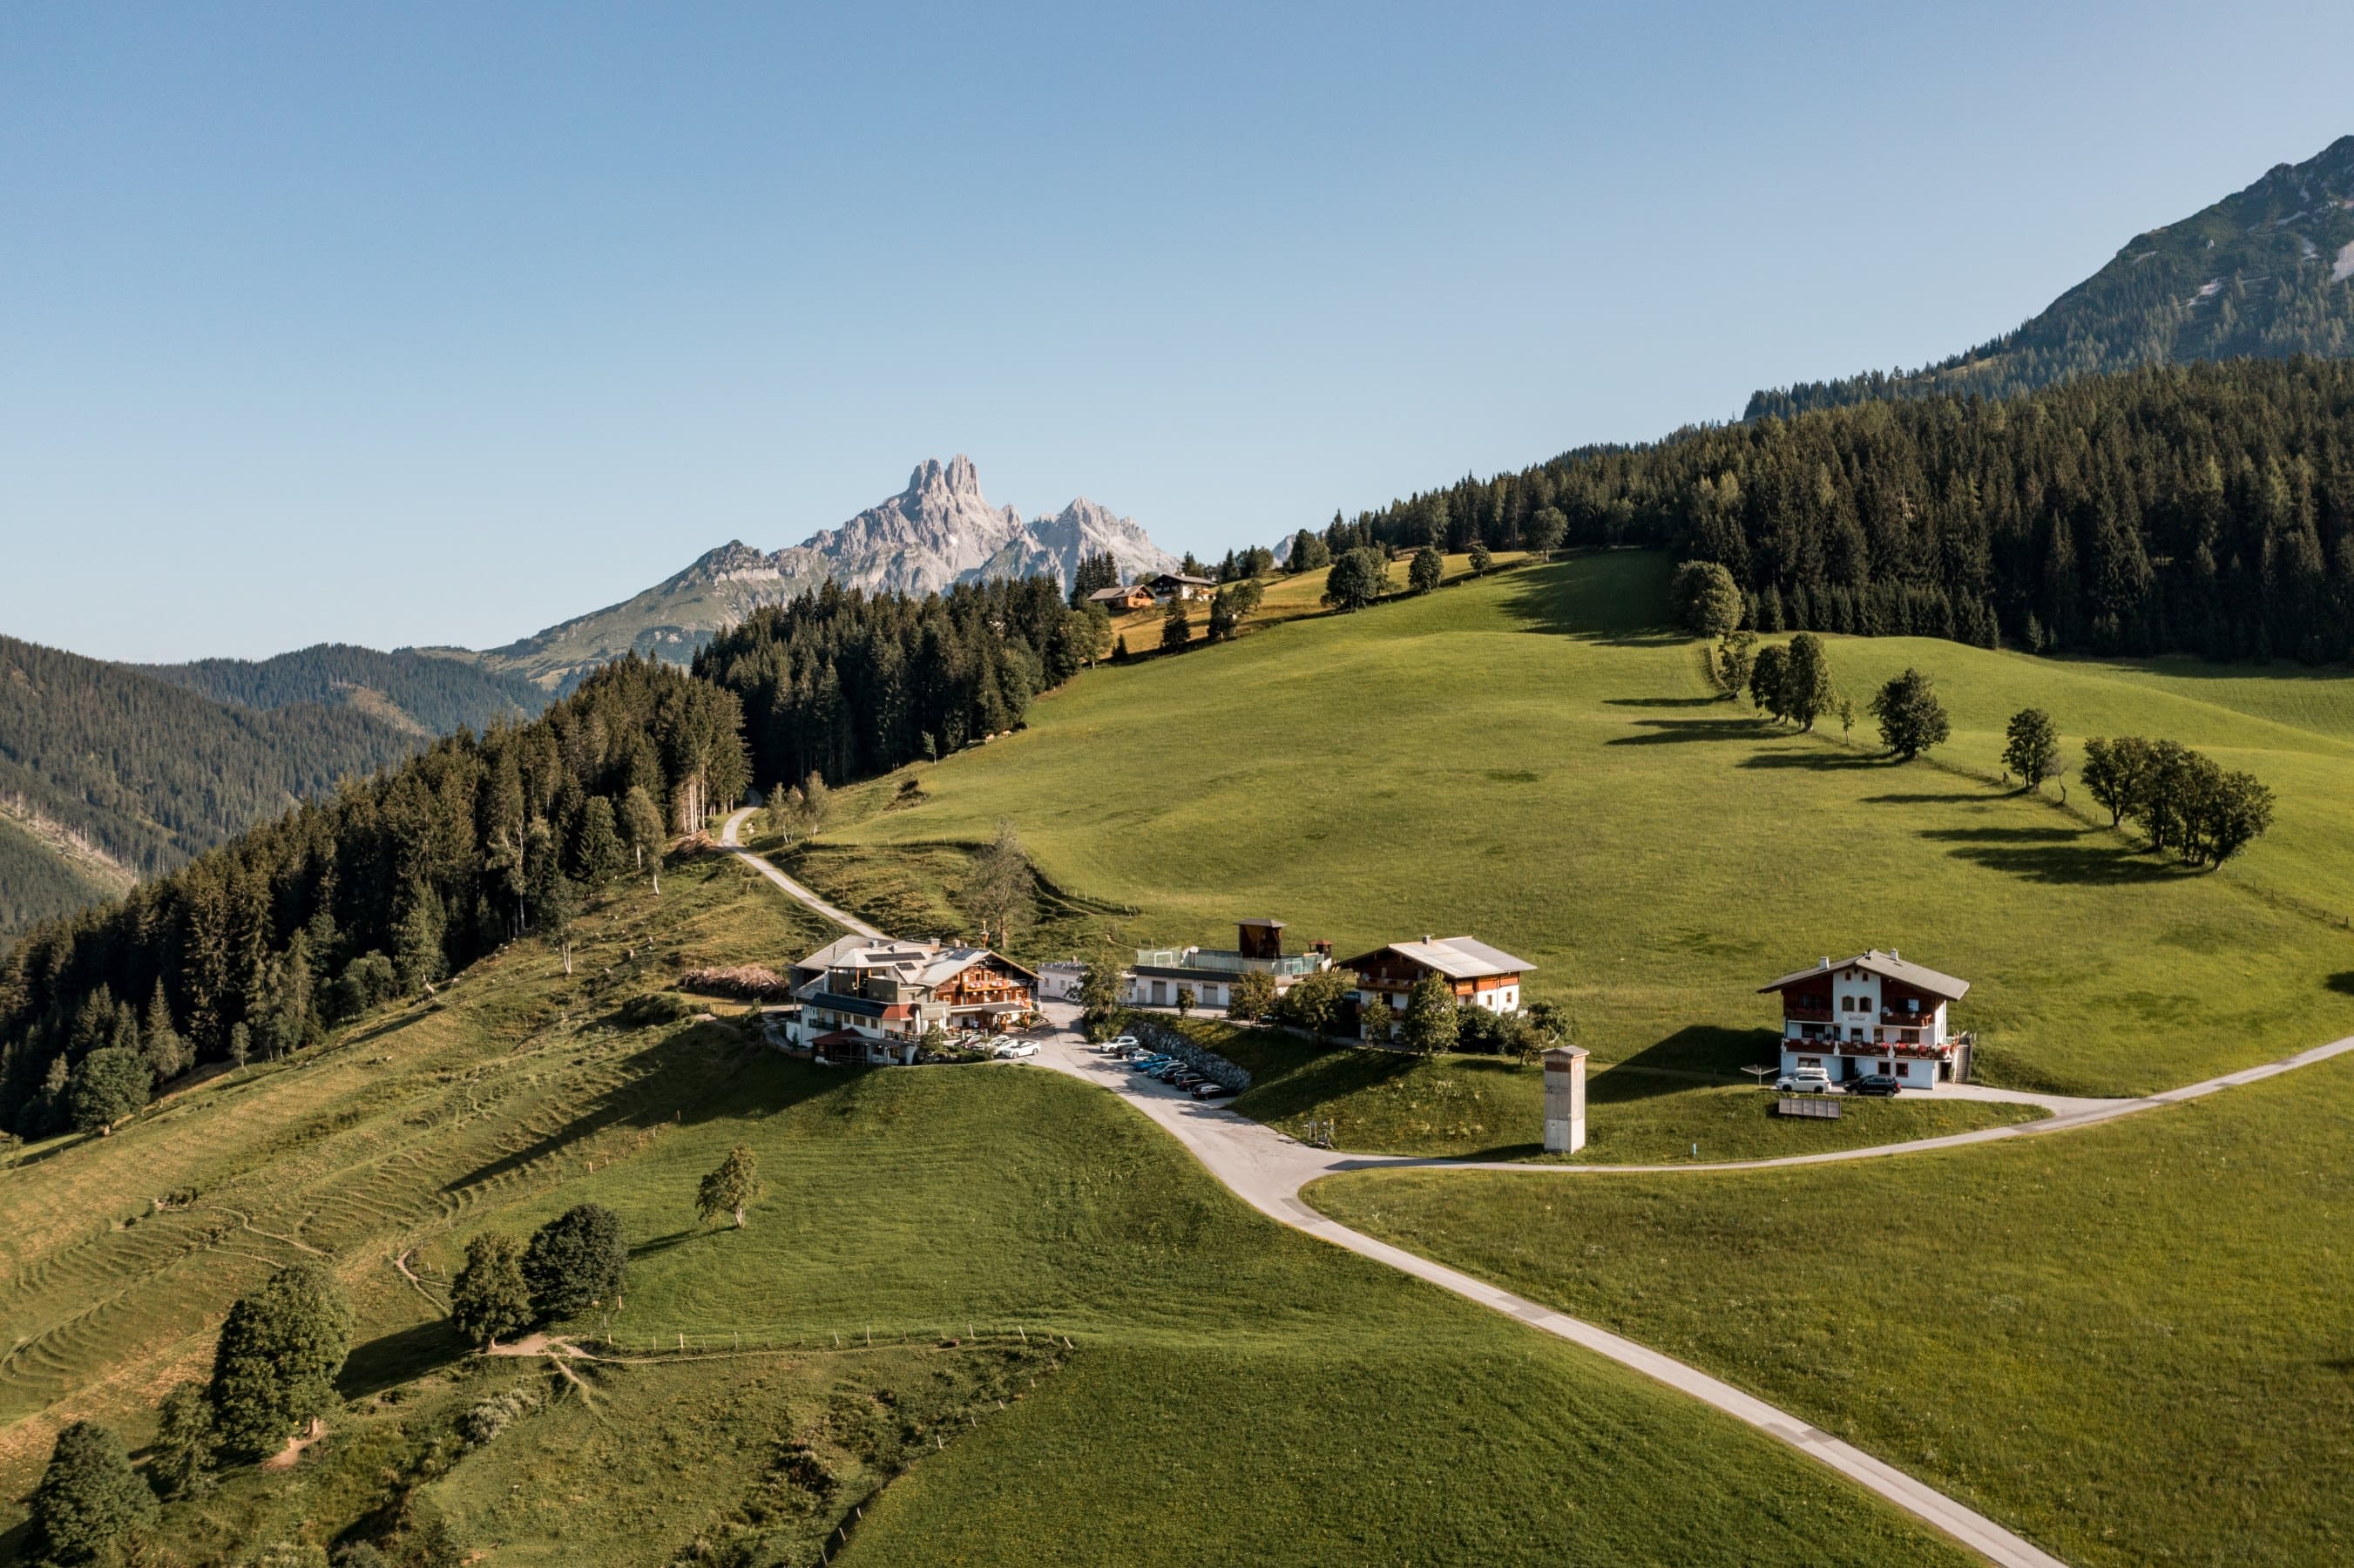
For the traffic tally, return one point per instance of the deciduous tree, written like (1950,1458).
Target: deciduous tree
(180,1460)
(1766,677)
(1708,601)
(1356,579)
(1427,571)
(89,1501)
(105,1087)
(1431,1024)
(576,1259)
(1251,997)
(275,1366)
(1912,719)
(2031,747)
(1807,679)
(730,1189)
(489,1297)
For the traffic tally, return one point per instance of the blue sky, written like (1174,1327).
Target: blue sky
(439,324)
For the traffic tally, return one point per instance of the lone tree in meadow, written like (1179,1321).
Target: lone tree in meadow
(1356,579)
(489,1298)
(1543,532)
(1807,692)
(1427,571)
(731,1189)
(276,1364)
(1001,887)
(1222,619)
(574,1260)
(1481,558)
(89,1501)
(1431,1022)
(1708,601)
(1251,997)
(2031,747)
(180,1460)
(1912,719)
(817,803)
(107,1085)
(1176,626)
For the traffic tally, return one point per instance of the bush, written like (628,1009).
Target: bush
(494,1413)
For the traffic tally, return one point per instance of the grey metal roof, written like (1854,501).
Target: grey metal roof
(1886,965)
(1457,957)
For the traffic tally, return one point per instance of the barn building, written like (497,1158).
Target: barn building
(1479,975)
(1875,1012)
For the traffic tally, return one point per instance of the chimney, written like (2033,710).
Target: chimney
(1827,960)
(1426,938)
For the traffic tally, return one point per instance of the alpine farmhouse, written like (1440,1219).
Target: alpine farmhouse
(1875,1012)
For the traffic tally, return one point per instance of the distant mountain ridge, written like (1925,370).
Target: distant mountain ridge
(427,693)
(2265,272)
(937,531)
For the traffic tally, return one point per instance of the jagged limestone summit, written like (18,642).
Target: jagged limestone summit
(937,531)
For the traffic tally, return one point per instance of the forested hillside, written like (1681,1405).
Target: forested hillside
(849,683)
(434,693)
(381,888)
(2205,508)
(2268,271)
(147,774)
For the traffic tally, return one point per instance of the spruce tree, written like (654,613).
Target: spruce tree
(275,1366)
(166,1052)
(107,1085)
(89,1501)
(1176,626)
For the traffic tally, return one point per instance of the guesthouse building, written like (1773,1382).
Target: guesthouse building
(1480,976)
(1133,596)
(1180,585)
(867,1000)
(1875,1012)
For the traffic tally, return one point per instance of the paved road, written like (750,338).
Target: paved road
(848,922)
(1267,1170)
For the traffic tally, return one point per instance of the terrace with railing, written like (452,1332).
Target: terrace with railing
(1225,961)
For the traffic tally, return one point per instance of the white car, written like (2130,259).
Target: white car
(1015,1049)
(1804,1081)
(1118,1048)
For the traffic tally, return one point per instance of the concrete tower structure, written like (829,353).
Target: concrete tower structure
(1564,1100)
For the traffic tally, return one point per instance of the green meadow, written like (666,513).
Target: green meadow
(2134,1342)
(1005,1319)
(1483,1108)
(1529,759)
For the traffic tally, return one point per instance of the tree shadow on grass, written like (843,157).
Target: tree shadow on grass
(675,1075)
(1950,798)
(1821,761)
(1697,1051)
(675,1238)
(2342,982)
(1596,597)
(397,1358)
(2054,856)
(1673,732)
(1662,702)
(1345,1070)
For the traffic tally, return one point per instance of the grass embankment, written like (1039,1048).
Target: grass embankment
(1238,1391)
(1483,1108)
(2135,1341)
(1527,759)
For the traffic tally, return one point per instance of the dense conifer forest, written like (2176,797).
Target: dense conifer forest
(846,683)
(440,694)
(153,773)
(382,887)
(2205,508)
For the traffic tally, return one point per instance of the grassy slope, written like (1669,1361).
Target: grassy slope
(1522,759)
(1342,1412)
(1484,1107)
(2131,1340)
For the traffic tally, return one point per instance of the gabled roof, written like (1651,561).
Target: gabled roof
(1105,596)
(1888,966)
(1262,924)
(1184,577)
(1457,957)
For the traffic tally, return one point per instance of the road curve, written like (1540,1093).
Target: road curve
(848,922)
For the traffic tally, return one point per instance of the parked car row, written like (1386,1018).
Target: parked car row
(1168,1069)
(1816,1081)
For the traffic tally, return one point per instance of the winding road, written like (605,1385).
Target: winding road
(1267,1169)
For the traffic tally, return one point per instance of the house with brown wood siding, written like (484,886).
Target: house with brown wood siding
(1479,975)
(1875,1012)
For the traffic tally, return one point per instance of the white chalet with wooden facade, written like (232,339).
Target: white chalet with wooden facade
(1479,975)
(868,1001)
(1875,1012)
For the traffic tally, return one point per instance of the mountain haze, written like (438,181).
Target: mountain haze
(938,532)
(2266,272)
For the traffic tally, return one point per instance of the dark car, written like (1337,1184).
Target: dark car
(1876,1084)
(1210,1089)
